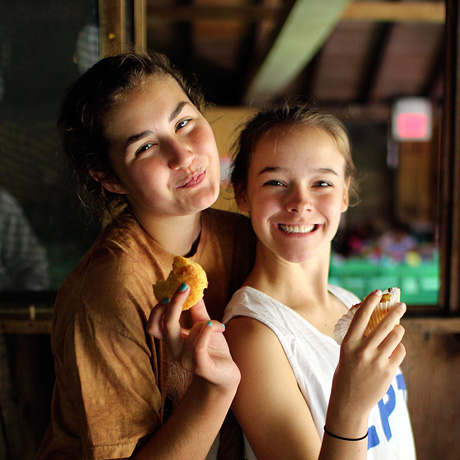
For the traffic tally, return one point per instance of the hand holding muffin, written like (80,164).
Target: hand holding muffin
(368,362)
(199,347)
(390,297)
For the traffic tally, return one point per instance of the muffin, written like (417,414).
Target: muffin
(390,297)
(183,271)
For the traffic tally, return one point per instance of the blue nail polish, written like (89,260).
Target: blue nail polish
(165,300)
(223,325)
(209,323)
(183,287)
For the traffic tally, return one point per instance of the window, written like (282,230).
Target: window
(43,47)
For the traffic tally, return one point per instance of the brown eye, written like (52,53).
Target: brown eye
(274,183)
(182,124)
(144,148)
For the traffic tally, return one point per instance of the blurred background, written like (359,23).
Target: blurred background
(380,66)
(357,59)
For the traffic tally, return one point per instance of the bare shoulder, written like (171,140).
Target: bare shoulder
(269,405)
(244,331)
(254,345)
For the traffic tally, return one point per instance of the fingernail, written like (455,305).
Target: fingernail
(183,287)
(209,323)
(403,306)
(165,300)
(223,325)
(378,292)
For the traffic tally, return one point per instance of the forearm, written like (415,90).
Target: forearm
(366,368)
(193,426)
(349,425)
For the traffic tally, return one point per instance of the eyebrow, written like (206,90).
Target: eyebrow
(177,110)
(274,169)
(136,137)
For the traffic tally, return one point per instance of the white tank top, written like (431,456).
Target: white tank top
(313,357)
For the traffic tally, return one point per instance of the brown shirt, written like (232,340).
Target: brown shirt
(112,378)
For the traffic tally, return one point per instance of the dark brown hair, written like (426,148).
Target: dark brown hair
(86,104)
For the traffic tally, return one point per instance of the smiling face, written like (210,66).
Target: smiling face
(162,151)
(296,192)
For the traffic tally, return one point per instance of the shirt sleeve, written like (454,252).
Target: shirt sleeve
(117,401)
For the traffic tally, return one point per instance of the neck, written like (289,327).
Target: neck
(300,286)
(177,235)
(291,283)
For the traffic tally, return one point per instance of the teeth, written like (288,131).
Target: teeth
(296,228)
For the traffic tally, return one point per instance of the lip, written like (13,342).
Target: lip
(297,229)
(193,180)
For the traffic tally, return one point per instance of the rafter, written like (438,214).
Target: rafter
(306,28)
(395,12)
(384,11)
(374,62)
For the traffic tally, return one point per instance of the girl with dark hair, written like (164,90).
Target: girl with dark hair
(147,162)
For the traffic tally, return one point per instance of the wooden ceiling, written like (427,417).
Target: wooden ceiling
(357,56)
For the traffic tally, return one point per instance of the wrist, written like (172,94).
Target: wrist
(210,397)
(223,379)
(226,387)
(347,430)
(346,424)
(343,438)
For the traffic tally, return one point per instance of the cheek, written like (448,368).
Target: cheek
(151,173)
(205,142)
(334,208)
(262,208)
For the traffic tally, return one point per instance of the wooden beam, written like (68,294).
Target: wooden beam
(435,74)
(21,326)
(374,63)
(385,11)
(306,28)
(18,319)
(396,12)
(439,326)
(191,13)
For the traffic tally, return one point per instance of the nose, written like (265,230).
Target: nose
(179,154)
(298,201)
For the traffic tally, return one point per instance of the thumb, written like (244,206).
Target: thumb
(199,313)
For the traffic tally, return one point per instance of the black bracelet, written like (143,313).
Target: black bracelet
(344,439)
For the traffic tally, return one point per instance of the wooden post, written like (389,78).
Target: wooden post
(118,31)
(450,166)
(140,25)
(112,27)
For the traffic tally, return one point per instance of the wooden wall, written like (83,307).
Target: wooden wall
(432,374)
(431,371)
(26,382)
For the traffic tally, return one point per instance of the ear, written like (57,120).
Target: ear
(346,196)
(110,183)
